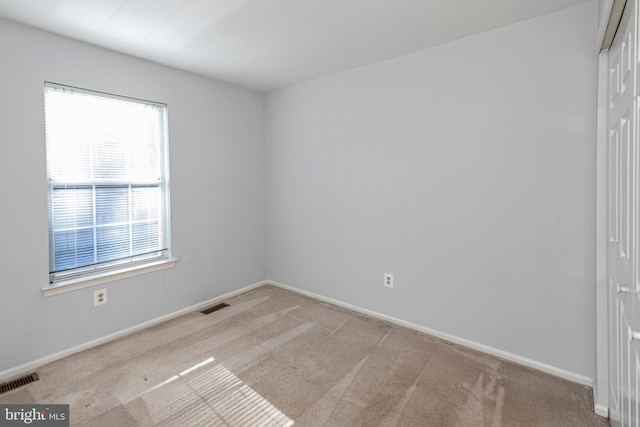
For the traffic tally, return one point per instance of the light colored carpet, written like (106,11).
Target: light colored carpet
(279,358)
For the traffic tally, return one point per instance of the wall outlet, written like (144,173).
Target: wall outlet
(388,280)
(99,297)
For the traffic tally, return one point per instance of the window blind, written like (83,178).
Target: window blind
(107,181)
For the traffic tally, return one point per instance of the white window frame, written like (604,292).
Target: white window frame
(103,272)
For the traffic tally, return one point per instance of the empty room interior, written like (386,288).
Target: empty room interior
(399,213)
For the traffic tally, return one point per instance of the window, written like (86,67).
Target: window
(107,170)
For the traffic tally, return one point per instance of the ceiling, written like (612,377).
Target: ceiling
(270,44)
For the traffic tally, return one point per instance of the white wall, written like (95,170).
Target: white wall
(217,193)
(602,5)
(467,170)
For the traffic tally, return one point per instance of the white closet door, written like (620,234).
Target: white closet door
(624,302)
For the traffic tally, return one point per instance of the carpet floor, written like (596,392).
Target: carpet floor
(277,358)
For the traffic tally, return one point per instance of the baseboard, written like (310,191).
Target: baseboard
(30,366)
(549,369)
(602,410)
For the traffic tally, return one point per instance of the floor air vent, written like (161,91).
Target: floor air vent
(12,385)
(215,308)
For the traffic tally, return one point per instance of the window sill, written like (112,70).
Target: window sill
(97,279)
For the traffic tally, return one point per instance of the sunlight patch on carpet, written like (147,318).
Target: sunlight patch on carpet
(221,394)
(235,402)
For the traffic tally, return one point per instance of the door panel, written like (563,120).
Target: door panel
(622,186)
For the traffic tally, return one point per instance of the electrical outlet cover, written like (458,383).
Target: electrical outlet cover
(99,297)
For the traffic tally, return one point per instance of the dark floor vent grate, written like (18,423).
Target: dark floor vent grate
(12,385)
(215,308)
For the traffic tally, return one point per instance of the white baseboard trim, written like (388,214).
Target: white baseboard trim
(602,410)
(549,369)
(30,366)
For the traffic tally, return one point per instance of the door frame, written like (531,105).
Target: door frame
(601,386)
